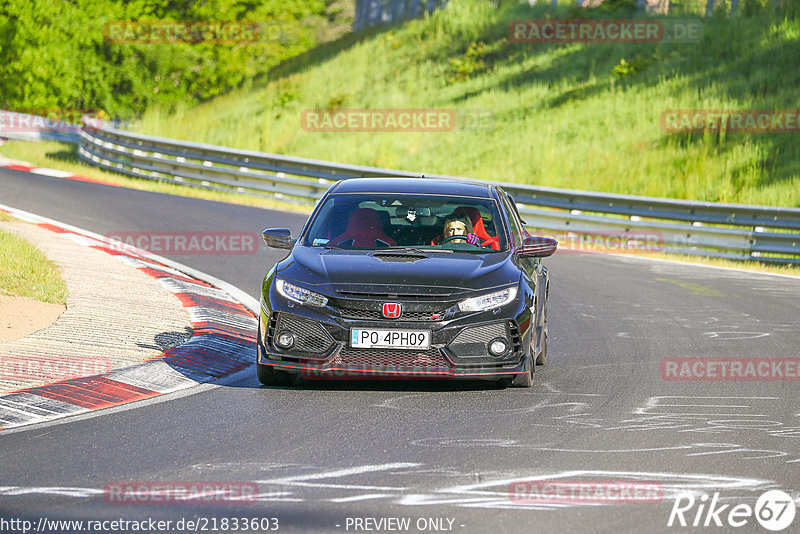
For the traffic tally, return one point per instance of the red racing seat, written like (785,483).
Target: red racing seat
(364,229)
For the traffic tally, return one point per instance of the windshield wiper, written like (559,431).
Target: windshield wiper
(401,250)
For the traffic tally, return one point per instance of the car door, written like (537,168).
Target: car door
(535,272)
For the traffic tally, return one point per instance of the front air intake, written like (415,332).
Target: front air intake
(310,336)
(473,342)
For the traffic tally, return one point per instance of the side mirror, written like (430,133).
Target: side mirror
(278,238)
(537,247)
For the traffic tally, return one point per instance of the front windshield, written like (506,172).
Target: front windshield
(371,221)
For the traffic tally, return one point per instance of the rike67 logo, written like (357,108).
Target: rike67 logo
(774,510)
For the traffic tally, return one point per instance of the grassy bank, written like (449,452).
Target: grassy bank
(583,115)
(26,272)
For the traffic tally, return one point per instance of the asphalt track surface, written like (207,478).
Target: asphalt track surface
(324,454)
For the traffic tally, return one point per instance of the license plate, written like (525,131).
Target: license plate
(370,338)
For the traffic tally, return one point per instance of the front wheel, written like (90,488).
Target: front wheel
(269,376)
(541,358)
(522,380)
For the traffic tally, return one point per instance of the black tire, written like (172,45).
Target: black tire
(541,358)
(522,380)
(269,376)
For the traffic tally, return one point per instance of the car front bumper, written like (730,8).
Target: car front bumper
(458,349)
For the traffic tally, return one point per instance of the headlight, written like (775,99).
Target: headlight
(300,295)
(489,301)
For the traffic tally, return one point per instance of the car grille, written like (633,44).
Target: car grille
(376,315)
(391,359)
(310,336)
(385,295)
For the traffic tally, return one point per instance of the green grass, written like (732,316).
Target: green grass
(63,156)
(560,116)
(26,272)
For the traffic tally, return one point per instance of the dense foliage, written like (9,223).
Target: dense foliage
(54,55)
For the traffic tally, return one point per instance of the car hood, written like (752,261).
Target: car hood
(367,271)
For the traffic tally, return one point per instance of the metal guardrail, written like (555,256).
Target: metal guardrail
(737,231)
(26,127)
(64,137)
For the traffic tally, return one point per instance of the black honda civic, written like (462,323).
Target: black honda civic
(406,278)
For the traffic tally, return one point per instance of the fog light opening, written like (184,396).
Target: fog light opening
(498,346)
(284,339)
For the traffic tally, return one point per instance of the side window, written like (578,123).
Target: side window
(516,227)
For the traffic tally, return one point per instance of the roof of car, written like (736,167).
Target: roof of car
(413,185)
